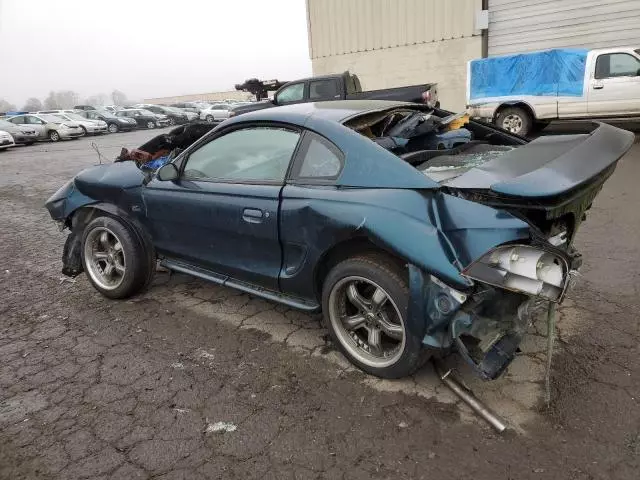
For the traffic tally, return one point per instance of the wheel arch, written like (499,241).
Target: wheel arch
(345,249)
(516,103)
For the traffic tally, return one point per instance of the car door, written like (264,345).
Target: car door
(615,86)
(222,212)
(38,125)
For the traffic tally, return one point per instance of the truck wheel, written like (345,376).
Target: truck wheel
(114,259)
(365,301)
(515,120)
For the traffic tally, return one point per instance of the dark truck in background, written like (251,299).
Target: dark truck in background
(341,86)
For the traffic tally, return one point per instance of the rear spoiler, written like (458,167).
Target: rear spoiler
(551,165)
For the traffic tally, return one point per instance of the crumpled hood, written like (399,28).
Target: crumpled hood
(95,181)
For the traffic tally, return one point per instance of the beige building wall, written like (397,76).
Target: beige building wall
(390,43)
(443,62)
(211,96)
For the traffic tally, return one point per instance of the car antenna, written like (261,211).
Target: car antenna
(100,156)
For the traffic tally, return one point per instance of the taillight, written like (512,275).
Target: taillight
(426,96)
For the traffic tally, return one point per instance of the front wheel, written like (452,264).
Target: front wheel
(172,121)
(114,259)
(112,127)
(54,136)
(151,125)
(210,118)
(84,131)
(515,120)
(365,301)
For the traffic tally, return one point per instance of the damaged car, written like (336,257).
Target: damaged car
(416,232)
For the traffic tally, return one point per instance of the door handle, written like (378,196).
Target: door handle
(252,215)
(598,86)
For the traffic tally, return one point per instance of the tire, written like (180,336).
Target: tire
(84,131)
(172,121)
(128,265)
(368,274)
(54,136)
(210,118)
(151,125)
(112,128)
(515,120)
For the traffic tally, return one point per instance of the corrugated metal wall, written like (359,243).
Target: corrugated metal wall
(337,27)
(524,25)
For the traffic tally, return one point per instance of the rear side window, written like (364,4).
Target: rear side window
(17,120)
(320,158)
(617,65)
(324,90)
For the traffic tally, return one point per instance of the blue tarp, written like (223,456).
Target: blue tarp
(550,72)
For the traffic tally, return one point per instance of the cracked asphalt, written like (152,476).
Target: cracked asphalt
(101,389)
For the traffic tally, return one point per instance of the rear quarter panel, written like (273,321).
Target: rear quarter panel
(436,232)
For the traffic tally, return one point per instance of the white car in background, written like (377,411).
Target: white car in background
(216,112)
(89,127)
(48,126)
(6,140)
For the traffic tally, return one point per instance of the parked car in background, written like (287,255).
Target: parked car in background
(68,110)
(516,92)
(89,127)
(22,134)
(175,116)
(49,126)
(84,107)
(344,207)
(188,106)
(6,140)
(114,123)
(144,118)
(343,86)
(216,113)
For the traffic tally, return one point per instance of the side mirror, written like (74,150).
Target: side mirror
(167,173)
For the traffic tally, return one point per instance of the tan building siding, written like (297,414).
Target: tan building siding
(391,43)
(211,96)
(442,62)
(338,27)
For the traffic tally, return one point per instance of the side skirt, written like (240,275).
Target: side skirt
(227,281)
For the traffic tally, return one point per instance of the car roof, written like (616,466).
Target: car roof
(335,111)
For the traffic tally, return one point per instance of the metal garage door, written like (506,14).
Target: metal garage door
(523,25)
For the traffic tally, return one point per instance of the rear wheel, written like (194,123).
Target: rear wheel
(172,121)
(365,301)
(114,259)
(151,125)
(515,120)
(112,127)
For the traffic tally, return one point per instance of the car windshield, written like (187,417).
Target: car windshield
(75,116)
(47,117)
(107,114)
(221,106)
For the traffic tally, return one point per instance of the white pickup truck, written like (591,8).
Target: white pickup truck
(517,92)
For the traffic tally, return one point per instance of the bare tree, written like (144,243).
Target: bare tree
(33,105)
(6,106)
(51,102)
(61,99)
(98,99)
(118,97)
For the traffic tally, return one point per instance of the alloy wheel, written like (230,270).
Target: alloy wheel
(367,321)
(512,123)
(104,258)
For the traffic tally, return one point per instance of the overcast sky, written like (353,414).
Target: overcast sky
(147,48)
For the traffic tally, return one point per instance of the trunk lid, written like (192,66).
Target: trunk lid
(551,181)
